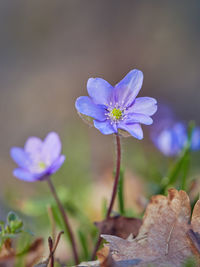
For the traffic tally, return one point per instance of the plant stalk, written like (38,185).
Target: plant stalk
(114,192)
(65,219)
(117,175)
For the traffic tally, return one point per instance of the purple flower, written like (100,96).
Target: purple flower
(38,159)
(195,145)
(116,109)
(171,140)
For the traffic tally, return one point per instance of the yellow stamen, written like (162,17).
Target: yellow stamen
(116,113)
(42,165)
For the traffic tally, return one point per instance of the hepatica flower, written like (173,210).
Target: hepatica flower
(38,159)
(116,109)
(171,140)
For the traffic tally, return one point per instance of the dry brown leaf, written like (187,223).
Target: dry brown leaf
(105,258)
(119,226)
(163,238)
(88,264)
(34,252)
(8,254)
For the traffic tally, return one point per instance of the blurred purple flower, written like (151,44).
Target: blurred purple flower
(195,145)
(116,109)
(171,140)
(38,159)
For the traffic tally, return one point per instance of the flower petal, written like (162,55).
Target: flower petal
(99,90)
(86,106)
(33,145)
(144,105)
(51,148)
(20,157)
(179,134)
(134,129)
(165,143)
(128,88)
(171,140)
(56,165)
(25,175)
(195,144)
(138,118)
(104,127)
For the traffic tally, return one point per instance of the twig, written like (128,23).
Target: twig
(51,256)
(52,249)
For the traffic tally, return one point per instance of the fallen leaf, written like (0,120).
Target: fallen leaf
(164,239)
(34,252)
(89,264)
(8,254)
(119,226)
(104,257)
(7,251)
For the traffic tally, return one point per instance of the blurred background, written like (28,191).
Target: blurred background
(50,48)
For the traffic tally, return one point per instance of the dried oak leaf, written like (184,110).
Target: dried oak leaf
(119,226)
(167,236)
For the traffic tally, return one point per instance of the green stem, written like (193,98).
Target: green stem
(186,166)
(121,193)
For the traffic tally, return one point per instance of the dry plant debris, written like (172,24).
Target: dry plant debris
(168,236)
(52,248)
(8,254)
(119,226)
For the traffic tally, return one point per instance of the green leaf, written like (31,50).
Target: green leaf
(15,224)
(12,216)
(2,227)
(104,207)
(84,244)
(186,165)
(191,262)
(120,192)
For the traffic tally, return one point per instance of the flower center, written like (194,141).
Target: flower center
(42,165)
(116,114)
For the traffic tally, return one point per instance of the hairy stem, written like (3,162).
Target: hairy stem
(65,219)
(114,192)
(117,175)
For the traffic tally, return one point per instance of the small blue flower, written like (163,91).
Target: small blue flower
(38,159)
(171,140)
(116,109)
